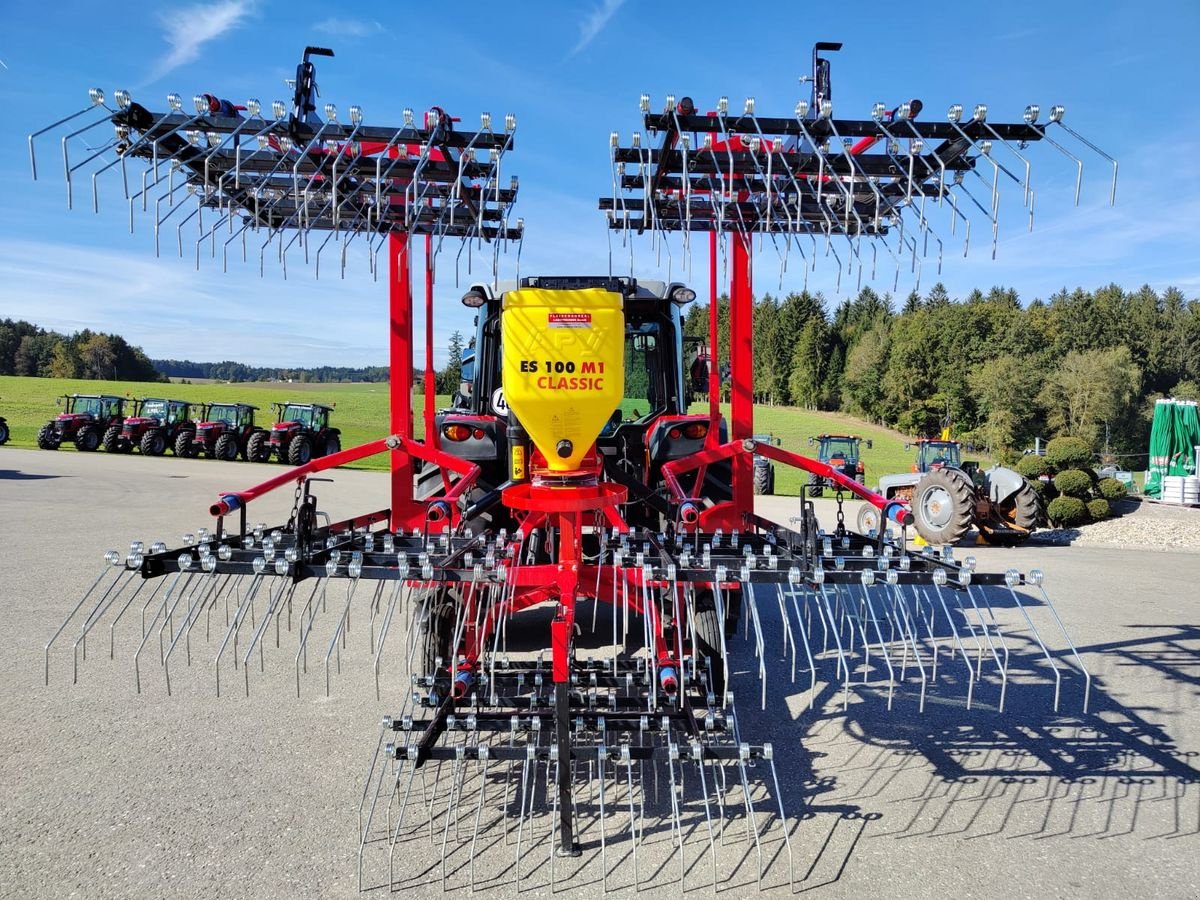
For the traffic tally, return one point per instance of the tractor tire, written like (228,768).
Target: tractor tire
(285,445)
(333,444)
(183,444)
(816,485)
(3,433)
(1024,512)
(47,437)
(943,506)
(299,450)
(708,642)
(868,519)
(154,442)
(764,480)
(226,448)
(87,439)
(112,439)
(437,631)
(257,447)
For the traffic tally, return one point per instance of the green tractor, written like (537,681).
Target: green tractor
(842,452)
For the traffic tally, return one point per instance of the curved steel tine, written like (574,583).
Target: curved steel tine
(91,106)
(1056,118)
(67,168)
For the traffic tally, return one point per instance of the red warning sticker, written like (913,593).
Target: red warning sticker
(569,320)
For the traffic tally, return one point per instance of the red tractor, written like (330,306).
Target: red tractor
(300,434)
(83,420)
(843,452)
(223,432)
(154,426)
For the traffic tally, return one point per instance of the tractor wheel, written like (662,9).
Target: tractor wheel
(112,439)
(299,450)
(816,485)
(183,444)
(1023,510)
(226,448)
(943,506)
(333,444)
(438,631)
(3,433)
(708,640)
(868,519)
(154,442)
(47,437)
(87,439)
(257,448)
(763,480)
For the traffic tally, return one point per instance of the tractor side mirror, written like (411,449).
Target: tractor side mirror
(907,446)
(869,444)
(811,441)
(778,442)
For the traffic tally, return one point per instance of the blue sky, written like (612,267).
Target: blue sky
(573,72)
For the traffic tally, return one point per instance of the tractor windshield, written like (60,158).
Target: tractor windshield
(839,449)
(92,406)
(224,412)
(154,409)
(643,388)
(939,453)
(302,414)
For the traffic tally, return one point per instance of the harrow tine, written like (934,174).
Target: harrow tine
(112,560)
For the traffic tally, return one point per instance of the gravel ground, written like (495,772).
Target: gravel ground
(112,793)
(1144,525)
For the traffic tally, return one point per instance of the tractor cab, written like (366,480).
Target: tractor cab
(310,416)
(157,411)
(91,407)
(936,455)
(232,416)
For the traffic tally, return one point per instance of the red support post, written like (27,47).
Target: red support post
(431,435)
(714,374)
(741,364)
(400,347)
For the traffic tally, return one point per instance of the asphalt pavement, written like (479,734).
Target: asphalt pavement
(108,792)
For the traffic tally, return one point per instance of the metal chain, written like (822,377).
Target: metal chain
(841,515)
(291,524)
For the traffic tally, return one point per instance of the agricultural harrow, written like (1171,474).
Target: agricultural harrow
(517,743)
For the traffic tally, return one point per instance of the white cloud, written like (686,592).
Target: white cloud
(188,29)
(595,22)
(349,28)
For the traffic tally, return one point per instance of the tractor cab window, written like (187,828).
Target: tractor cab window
(227,414)
(320,419)
(940,453)
(112,408)
(93,406)
(841,450)
(643,377)
(154,409)
(297,414)
(176,412)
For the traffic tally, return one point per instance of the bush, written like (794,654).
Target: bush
(1069,453)
(1111,489)
(1073,483)
(1098,509)
(1032,466)
(1066,512)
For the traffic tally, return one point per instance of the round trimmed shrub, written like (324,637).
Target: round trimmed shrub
(1073,483)
(1069,453)
(1111,489)
(1098,509)
(1033,466)
(1067,512)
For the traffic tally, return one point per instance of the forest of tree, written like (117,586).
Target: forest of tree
(228,370)
(26,349)
(1088,364)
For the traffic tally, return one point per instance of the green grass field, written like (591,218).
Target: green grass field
(361,412)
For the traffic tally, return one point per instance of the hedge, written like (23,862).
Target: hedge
(1098,509)
(1111,489)
(1073,483)
(1067,512)
(1032,466)
(1069,453)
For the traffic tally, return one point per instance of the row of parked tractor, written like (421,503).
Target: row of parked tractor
(154,425)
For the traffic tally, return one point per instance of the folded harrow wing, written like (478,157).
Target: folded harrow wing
(567,638)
